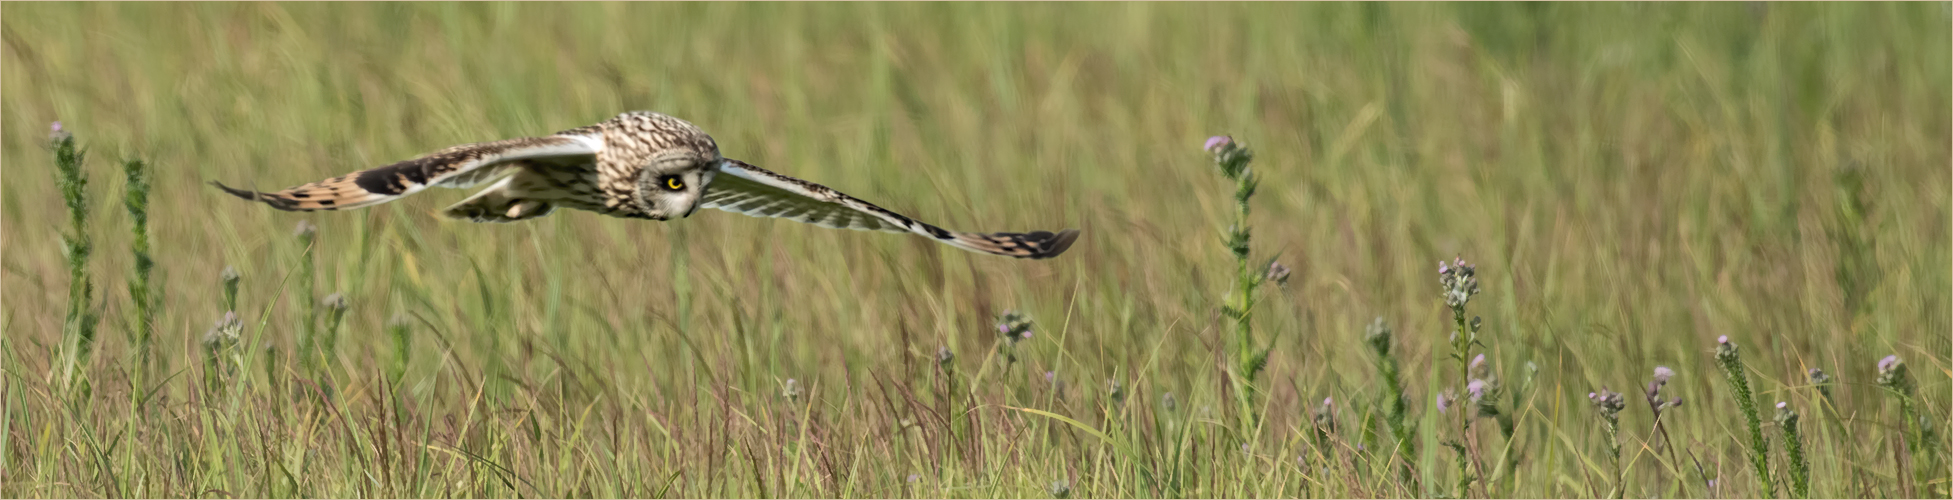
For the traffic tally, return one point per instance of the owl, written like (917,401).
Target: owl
(639,165)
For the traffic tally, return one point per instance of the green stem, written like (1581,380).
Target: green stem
(1462,349)
(1614,452)
(1800,482)
(1759,447)
(137,202)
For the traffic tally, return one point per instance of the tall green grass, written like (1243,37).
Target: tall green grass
(1631,181)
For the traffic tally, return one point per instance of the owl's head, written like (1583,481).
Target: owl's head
(674,185)
(676,161)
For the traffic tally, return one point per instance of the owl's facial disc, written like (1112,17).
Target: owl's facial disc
(673,186)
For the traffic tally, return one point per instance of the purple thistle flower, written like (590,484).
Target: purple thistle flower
(1216,143)
(1662,373)
(1476,388)
(1444,403)
(1892,374)
(1723,339)
(1325,414)
(1608,402)
(1014,326)
(1278,273)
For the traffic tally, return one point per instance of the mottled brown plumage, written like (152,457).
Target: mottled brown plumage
(638,165)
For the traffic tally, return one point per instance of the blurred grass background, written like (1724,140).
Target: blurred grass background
(1633,180)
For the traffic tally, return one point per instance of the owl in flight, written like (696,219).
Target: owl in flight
(639,165)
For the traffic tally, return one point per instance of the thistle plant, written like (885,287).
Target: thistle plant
(218,342)
(308,316)
(1800,469)
(1918,432)
(1460,282)
(1486,390)
(1277,273)
(335,305)
(220,358)
(230,278)
(1823,383)
(1324,418)
(947,400)
(1732,366)
(1395,402)
(1055,383)
(1014,327)
(1659,404)
(1249,359)
(1610,404)
(397,328)
(136,200)
(791,391)
(79,325)
(1856,268)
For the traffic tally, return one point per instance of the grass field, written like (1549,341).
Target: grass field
(1631,181)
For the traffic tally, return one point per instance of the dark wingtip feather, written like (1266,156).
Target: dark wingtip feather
(1050,245)
(275,202)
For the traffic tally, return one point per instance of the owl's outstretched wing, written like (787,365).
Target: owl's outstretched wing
(745,189)
(460,166)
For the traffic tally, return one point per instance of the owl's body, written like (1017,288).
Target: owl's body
(639,165)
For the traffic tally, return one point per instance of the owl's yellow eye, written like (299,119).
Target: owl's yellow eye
(674,183)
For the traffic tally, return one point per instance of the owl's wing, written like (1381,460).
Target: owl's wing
(459,166)
(745,189)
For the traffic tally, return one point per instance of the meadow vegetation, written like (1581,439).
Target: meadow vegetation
(1470,226)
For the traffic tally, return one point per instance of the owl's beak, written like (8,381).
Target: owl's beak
(688,213)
